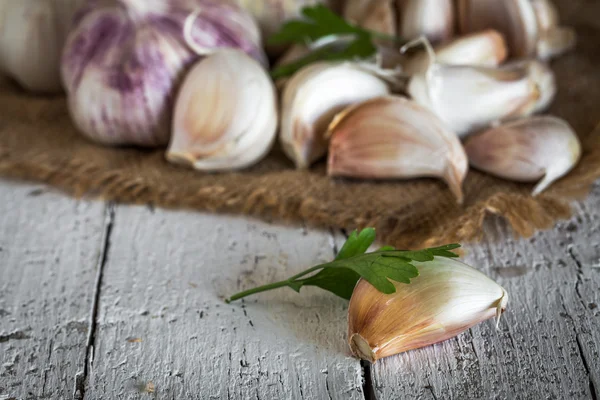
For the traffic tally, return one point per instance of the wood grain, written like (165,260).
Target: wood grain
(49,245)
(163,326)
(548,343)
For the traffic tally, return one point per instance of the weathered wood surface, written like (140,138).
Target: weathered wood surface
(163,325)
(49,245)
(548,343)
(150,284)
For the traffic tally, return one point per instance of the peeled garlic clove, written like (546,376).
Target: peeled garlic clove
(124,60)
(447,298)
(393,137)
(312,97)
(225,114)
(469,98)
(433,19)
(514,19)
(527,150)
(375,15)
(486,48)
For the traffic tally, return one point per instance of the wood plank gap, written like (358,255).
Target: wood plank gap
(368,390)
(82,376)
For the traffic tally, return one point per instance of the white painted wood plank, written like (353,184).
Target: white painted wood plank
(548,342)
(162,319)
(49,245)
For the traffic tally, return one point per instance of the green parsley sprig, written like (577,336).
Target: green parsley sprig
(379,268)
(319,23)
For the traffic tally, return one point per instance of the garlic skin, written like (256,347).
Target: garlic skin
(486,48)
(515,19)
(393,137)
(469,98)
(527,150)
(447,298)
(32,36)
(433,19)
(225,114)
(374,15)
(123,62)
(311,99)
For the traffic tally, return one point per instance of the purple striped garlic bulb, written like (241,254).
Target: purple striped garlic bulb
(124,60)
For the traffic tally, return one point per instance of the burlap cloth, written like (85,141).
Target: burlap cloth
(38,142)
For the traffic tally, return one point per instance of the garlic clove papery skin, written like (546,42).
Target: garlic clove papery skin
(433,19)
(470,98)
(486,48)
(447,298)
(124,60)
(374,15)
(312,98)
(537,148)
(392,137)
(515,19)
(225,114)
(32,36)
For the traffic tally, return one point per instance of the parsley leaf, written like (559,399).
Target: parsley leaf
(380,268)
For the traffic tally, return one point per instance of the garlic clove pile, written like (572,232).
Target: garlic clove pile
(433,19)
(469,98)
(515,19)
(310,100)
(375,15)
(526,150)
(486,48)
(447,298)
(225,114)
(124,60)
(393,137)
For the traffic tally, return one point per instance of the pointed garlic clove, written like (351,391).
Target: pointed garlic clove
(374,15)
(527,150)
(469,98)
(433,19)
(447,298)
(312,97)
(225,114)
(554,40)
(544,79)
(392,137)
(515,19)
(486,48)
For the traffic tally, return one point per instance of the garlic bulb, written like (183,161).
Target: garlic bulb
(393,137)
(486,48)
(225,114)
(312,97)
(124,59)
(526,150)
(32,36)
(433,19)
(468,98)
(447,298)
(374,15)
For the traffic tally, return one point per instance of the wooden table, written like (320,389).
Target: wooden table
(105,301)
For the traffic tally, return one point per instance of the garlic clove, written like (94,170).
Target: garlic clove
(515,19)
(392,137)
(544,79)
(447,298)
(468,98)
(527,150)
(556,41)
(546,14)
(310,100)
(433,19)
(374,15)
(486,48)
(225,114)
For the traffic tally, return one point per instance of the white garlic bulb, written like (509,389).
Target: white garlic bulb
(540,149)
(32,36)
(447,298)
(225,114)
(124,60)
(393,137)
(312,97)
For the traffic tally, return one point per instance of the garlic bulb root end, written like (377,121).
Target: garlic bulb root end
(361,348)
